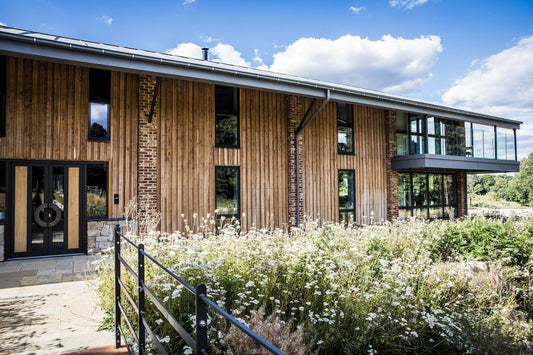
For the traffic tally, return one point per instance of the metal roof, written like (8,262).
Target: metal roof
(18,42)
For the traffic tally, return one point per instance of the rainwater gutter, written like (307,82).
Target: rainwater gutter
(305,121)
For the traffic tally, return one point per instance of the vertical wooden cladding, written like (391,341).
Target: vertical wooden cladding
(321,163)
(188,155)
(47,119)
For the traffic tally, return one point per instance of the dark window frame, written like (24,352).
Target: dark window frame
(102,98)
(230,215)
(346,210)
(226,113)
(3,95)
(427,205)
(348,109)
(106,216)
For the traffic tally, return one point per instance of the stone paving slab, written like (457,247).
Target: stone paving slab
(45,312)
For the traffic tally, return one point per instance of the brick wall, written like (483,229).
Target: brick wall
(147,190)
(392,176)
(296,113)
(461,195)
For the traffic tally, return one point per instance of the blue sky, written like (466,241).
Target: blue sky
(471,54)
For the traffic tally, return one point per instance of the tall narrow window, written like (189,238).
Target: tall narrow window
(99,99)
(2,190)
(226,117)
(3,94)
(97,190)
(346,196)
(417,132)
(345,129)
(227,199)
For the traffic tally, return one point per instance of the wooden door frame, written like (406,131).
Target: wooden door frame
(10,207)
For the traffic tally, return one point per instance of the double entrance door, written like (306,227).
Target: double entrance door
(46,200)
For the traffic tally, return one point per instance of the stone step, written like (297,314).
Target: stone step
(104,350)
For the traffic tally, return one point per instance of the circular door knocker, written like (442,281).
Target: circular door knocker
(47,209)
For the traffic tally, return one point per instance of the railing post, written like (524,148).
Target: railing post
(117,286)
(142,333)
(201,320)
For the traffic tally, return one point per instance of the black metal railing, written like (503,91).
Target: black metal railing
(198,345)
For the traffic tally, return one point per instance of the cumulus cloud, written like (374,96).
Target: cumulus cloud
(356,10)
(2,24)
(407,4)
(190,50)
(224,53)
(108,20)
(394,65)
(188,2)
(501,85)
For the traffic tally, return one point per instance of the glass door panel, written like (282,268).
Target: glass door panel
(57,225)
(38,211)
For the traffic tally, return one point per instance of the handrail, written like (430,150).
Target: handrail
(198,345)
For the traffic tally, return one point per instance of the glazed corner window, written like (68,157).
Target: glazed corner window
(3,94)
(99,99)
(226,117)
(2,190)
(96,190)
(346,196)
(345,129)
(227,192)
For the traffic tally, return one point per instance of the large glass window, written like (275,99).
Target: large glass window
(433,195)
(421,134)
(97,190)
(345,129)
(346,196)
(99,99)
(2,190)
(226,117)
(505,143)
(3,94)
(227,200)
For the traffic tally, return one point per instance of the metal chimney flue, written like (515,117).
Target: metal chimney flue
(205,53)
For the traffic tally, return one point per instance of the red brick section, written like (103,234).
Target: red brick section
(392,175)
(147,159)
(296,113)
(461,194)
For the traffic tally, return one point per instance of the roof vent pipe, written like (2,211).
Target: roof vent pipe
(205,53)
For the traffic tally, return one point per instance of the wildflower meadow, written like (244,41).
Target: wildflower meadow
(434,287)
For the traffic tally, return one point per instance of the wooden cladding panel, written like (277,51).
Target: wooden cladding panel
(47,119)
(21,208)
(321,163)
(73,208)
(188,155)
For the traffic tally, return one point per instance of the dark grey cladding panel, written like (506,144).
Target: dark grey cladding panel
(453,163)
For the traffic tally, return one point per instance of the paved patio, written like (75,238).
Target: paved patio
(49,306)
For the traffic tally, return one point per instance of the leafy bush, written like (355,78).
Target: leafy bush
(405,287)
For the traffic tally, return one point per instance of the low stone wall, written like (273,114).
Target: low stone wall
(100,235)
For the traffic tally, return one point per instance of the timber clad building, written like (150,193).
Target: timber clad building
(87,127)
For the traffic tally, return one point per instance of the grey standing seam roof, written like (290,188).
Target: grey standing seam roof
(31,44)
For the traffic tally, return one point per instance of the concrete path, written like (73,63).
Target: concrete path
(48,306)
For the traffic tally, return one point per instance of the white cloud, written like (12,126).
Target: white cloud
(500,85)
(209,39)
(227,54)
(224,53)
(190,50)
(356,10)
(2,24)
(407,4)
(188,2)
(395,65)
(108,20)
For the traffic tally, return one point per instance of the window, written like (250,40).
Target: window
(227,199)
(417,132)
(99,99)
(2,190)
(226,117)
(427,195)
(3,94)
(345,129)
(97,190)
(346,196)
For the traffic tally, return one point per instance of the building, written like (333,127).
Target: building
(87,127)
